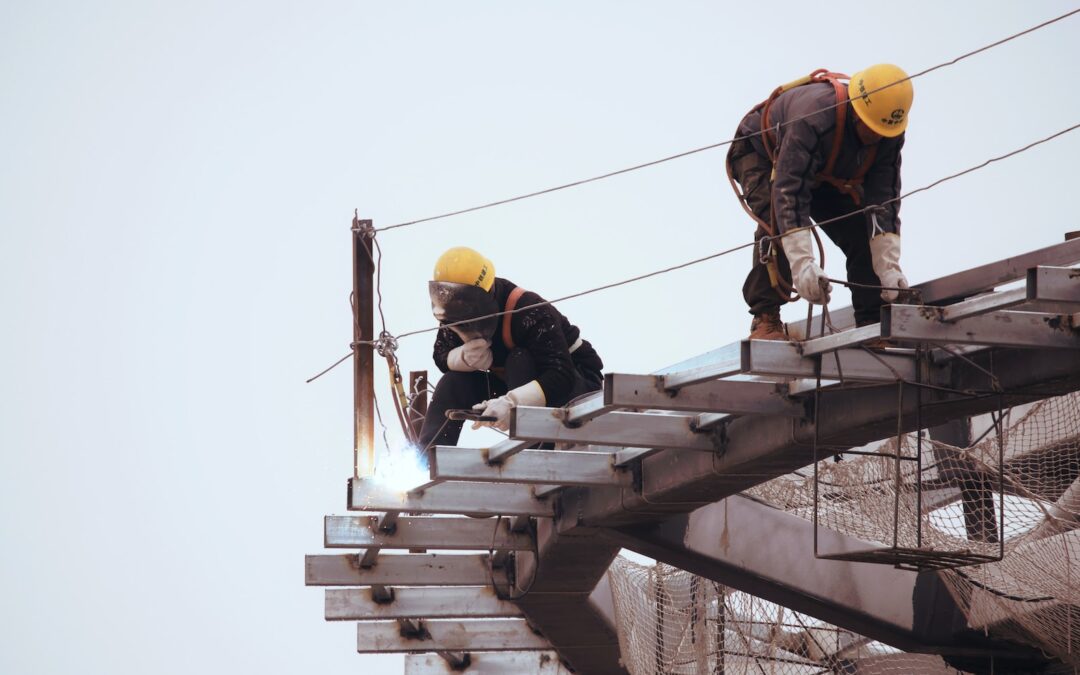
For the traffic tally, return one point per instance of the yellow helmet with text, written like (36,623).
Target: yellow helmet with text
(881,96)
(463,265)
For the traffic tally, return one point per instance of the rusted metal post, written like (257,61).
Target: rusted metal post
(363,355)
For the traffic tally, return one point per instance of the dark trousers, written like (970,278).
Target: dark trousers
(850,234)
(464,390)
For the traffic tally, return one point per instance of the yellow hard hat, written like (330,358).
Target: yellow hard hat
(885,111)
(463,265)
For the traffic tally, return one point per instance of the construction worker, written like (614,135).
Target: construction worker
(829,149)
(531,357)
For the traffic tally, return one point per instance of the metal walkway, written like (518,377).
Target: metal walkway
(644,463)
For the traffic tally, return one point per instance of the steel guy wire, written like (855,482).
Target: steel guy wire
(725,252)
(697,261)
(713,146)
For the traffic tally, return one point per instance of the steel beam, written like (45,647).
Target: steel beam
(755,449)
(357,604)
(488,663)
(711,366)
(953,287)
(984,304)
(641,430)
(428,569)
(782,359)
(586,409)
(460,498)
(463,534)
(538,467)
(741,397)
(841,340)
(1054,288)
(768,553)
(383,637)
(506,449)
(1000,329)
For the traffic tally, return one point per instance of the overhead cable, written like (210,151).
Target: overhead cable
(713,146)
(697,261)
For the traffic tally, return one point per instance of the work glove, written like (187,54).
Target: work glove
(528,394)
(809,279)
(885,257)
(473,355)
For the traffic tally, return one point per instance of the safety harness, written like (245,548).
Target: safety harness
(849,186)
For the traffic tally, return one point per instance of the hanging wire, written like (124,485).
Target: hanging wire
(719,254)
(713,146)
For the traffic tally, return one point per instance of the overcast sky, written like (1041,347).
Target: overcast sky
(176,186)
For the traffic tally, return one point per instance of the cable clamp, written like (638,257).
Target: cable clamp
(386,344)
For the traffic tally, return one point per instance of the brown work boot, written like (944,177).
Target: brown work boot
(768,326)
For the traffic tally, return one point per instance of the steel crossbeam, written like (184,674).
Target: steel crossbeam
(1000,329)
(533,663)
(428,569)
(641,430)
(376,637)
(1055,289)
(741,397)
(505,449)
(537,467)
(782,359)
(449,498)
(970,282)
(587,408)
(465,534)
(358,604)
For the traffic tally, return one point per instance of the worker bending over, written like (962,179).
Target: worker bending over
(817,161)
(531,357)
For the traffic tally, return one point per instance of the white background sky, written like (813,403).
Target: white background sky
(176,186)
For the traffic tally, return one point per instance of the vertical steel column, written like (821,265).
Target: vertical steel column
(363,354)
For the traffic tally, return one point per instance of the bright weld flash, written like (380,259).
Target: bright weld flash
(399,469)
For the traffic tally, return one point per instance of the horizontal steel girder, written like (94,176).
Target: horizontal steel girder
(463,534)
(648,392)
(1054,287)
(641,430)
(538,467)
(505,449)
(450,498)
(384,637)
(756,449)
(999,329)
(428,569)
(783,359)
(950,288)
(358,604)
(532,663)
(766,552)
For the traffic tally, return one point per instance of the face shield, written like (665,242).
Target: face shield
(452,302)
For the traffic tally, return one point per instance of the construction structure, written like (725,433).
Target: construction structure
(814,506)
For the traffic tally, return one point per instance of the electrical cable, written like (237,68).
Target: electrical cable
(713,146)
(697,261)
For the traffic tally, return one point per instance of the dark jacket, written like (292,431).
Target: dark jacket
(804,146)
(542,331)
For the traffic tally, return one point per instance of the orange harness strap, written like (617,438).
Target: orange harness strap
(511,302)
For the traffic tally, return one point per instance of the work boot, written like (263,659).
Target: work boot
(768,326)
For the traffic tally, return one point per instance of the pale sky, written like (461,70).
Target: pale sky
(176,186)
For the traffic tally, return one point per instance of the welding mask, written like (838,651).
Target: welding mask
(452,302)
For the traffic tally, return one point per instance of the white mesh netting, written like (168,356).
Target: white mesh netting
(673,622)
(959,504)
(1029,594)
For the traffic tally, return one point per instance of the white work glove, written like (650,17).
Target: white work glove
(473,355)
(885,257)
(808,278)
(528,394)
